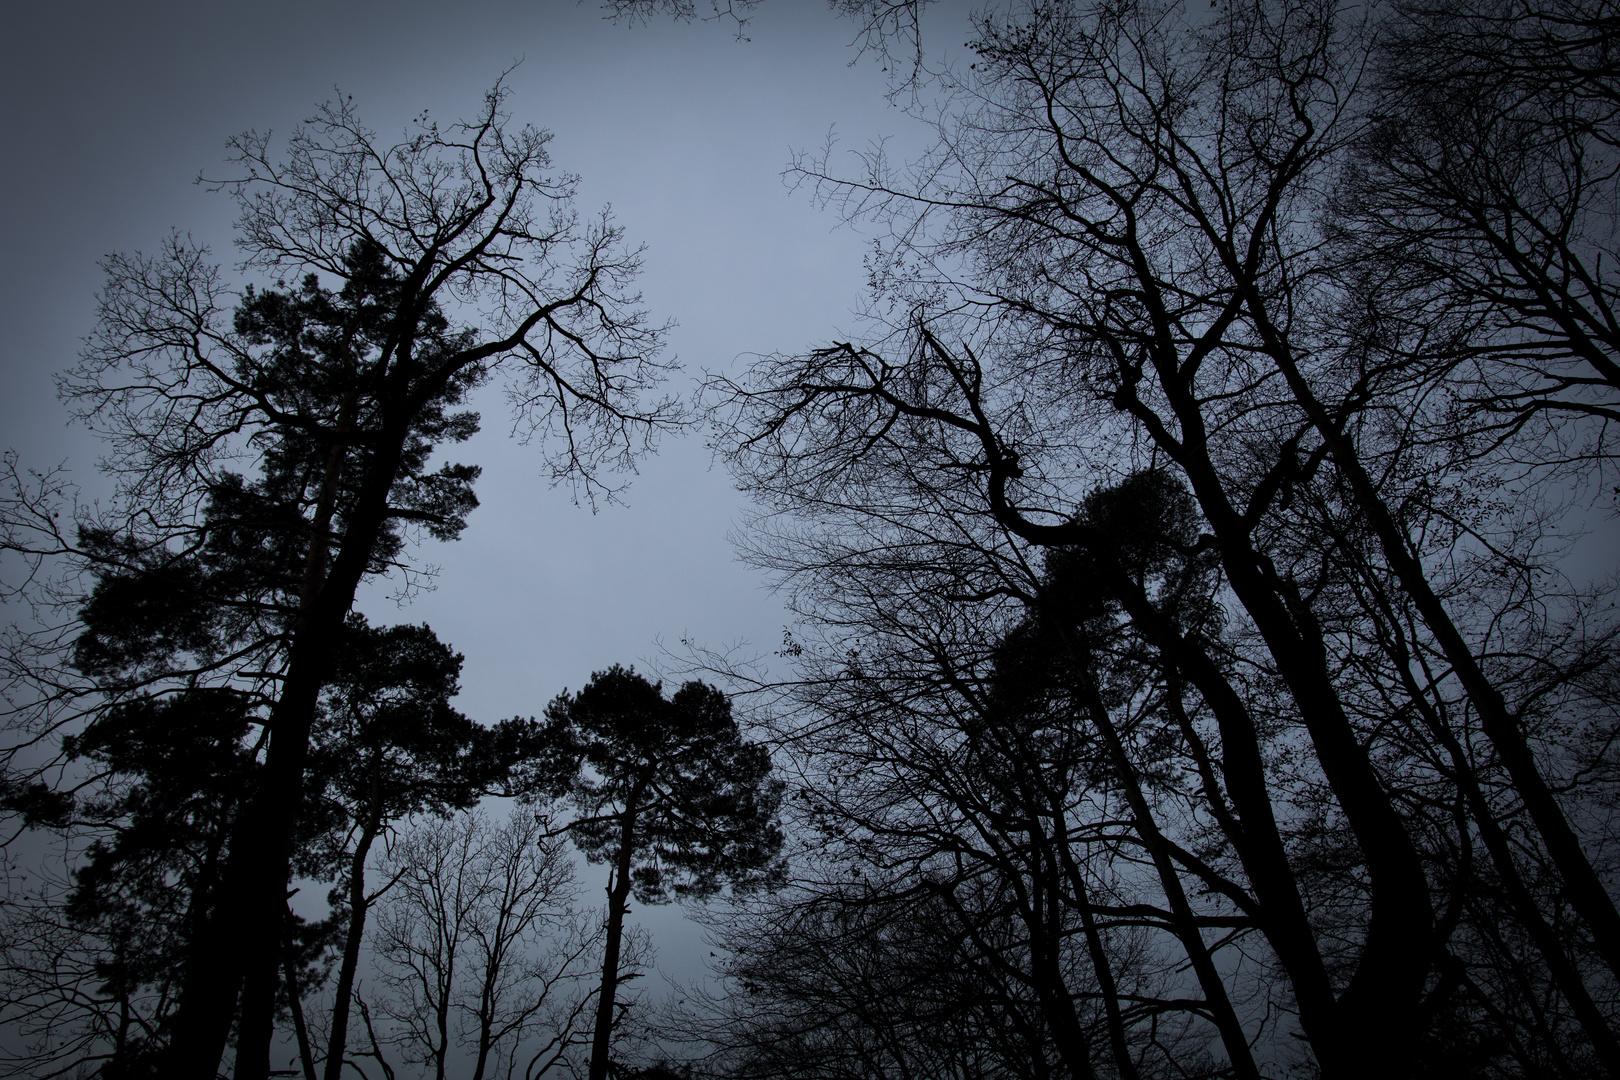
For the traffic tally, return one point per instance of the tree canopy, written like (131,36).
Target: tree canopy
(1192,675)
(666,791)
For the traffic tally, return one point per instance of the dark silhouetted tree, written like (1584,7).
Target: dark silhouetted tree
(295,426)
(478,947)
(175,773)
(1134,253)
(669,794)
(389,746)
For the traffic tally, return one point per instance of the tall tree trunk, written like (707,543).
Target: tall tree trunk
(1398,949)
(1053,865)
(337,1044)
(295,1004)
(1565,974)
(212,975)
(1386,990)
(1181,914)
(241,946)
(1582,886)
(618,904)
(275,813)
(1257,837)
(1397,954)
(1102,967)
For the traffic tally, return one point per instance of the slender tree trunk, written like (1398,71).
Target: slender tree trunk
(1259,839)
(618,904)
(486,1001)
(494,964)
(1057,1004)
(1387,988)
(1565,974)
(1052,865)
(449,941)
(1186,927)
(327,598)
(270,841)
(337,1044)
(295,1004)
(481,1062)
(1582,886)
(213,971)
(1105,976)
(1055,850)
(1397,954)
(213,981)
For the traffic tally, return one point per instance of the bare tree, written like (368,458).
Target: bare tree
(1116,265)
(479,950)
(978,755)
(73,998)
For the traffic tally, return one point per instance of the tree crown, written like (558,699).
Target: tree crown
(675,774)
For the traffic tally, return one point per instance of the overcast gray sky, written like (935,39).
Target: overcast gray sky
(113,109)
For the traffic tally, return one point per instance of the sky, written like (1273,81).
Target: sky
(112,110)
(682,129)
